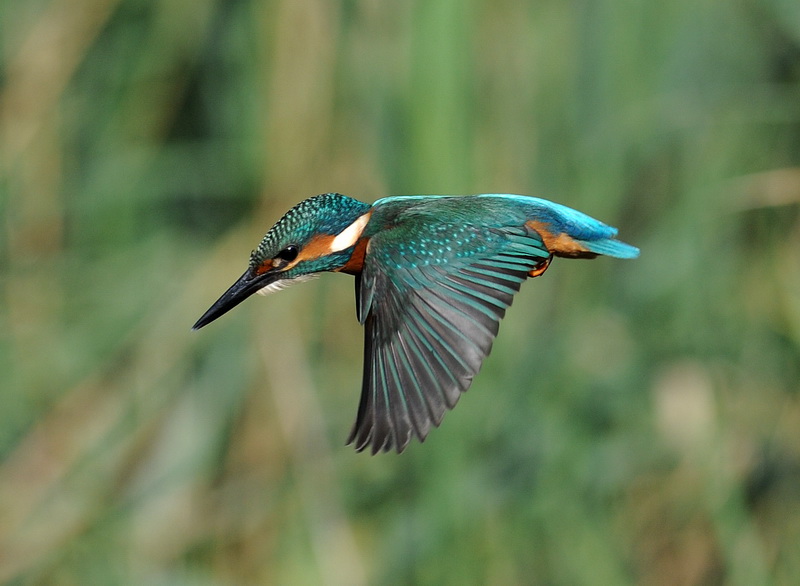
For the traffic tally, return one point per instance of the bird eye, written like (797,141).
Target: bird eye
(288,254)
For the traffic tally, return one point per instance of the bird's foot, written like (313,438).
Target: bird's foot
(541,267)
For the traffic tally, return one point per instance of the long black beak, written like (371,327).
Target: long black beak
(243,288)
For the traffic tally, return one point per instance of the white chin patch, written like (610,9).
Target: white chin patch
(283,284)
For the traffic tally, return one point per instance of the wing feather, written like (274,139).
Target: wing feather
(429,326)
(415,405)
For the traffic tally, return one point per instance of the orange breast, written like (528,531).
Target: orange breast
(356,262)
(559,244)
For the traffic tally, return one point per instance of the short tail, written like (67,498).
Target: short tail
(567,232)
(586,240)
(609,247)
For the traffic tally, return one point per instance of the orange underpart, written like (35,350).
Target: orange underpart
(264,267)
(356,262)
(559,244)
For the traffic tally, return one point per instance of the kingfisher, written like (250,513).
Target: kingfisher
(434,275)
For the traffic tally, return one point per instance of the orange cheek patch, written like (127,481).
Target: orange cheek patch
(317,247)
(560,244)
(264,267)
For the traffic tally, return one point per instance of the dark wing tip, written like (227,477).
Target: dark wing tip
(362,437)
(428,328)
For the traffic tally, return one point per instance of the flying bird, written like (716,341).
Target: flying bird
(434,276)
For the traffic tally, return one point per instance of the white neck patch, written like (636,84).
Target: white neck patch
(350,235)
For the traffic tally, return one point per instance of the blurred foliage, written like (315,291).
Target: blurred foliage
(637,423)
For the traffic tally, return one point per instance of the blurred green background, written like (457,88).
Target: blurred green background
(638,421)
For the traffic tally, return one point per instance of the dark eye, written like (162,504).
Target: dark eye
(288,254)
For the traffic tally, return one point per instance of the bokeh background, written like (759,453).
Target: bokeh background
(638,421)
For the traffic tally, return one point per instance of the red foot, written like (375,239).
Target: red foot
(541,267)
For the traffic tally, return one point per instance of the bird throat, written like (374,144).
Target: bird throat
(284,283)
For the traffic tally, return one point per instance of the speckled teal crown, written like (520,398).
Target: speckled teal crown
(328,213)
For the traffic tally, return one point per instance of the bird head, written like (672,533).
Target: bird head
(318,234)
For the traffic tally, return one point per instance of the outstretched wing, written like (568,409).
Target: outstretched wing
(431,313)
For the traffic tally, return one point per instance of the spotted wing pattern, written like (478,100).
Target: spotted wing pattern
(431,311)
